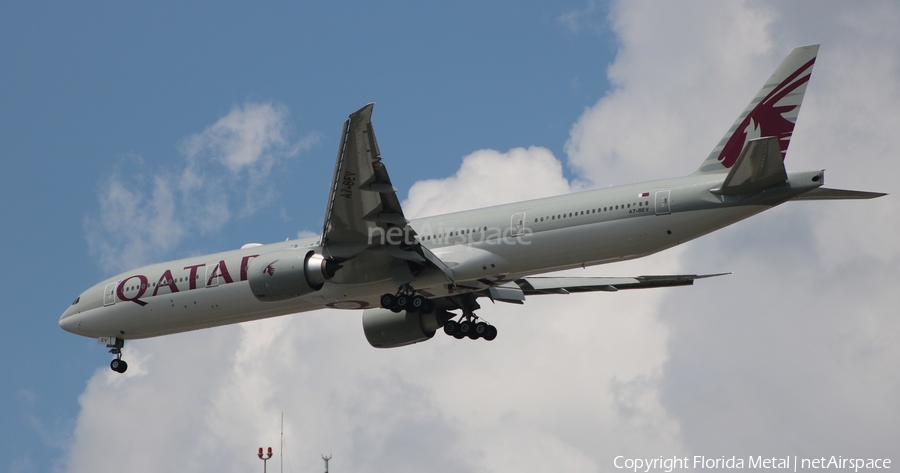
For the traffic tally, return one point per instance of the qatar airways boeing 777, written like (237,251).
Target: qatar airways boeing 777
(412,278)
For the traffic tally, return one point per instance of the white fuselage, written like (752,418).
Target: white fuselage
(493,244)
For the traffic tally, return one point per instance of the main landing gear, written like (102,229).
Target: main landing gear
(407,299)
(470,326)
(115,345)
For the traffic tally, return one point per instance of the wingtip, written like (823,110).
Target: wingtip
(704,276)
(366,108)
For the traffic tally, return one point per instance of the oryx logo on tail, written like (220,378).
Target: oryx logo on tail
(768,118)
(772,112)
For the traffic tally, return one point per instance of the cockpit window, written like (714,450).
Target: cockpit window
(76,300)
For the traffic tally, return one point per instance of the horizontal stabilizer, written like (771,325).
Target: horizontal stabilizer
(824,193)
(759,165)
(564,285)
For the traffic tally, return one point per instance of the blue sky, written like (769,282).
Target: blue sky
(106,94)
(88,87)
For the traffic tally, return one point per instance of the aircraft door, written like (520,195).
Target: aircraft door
(662,202)
(517,224)
(109,294)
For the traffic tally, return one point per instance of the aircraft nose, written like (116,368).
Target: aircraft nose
(69,322)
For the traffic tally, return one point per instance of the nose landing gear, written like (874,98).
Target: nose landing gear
(115,346)
(118,365)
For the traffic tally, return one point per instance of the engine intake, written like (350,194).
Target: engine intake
(287,274)
(386,329)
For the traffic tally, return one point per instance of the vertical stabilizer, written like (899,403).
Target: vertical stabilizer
(772,112)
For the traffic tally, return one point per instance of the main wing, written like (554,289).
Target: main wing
(363,209)
(362,201)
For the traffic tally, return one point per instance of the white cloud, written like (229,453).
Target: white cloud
(243,138)
(683,74)
(137,215)
(793,354)
(585,18)
(488,177)
(148,210)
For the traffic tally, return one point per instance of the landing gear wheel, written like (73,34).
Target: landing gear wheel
(428,307)
(404,302)
(451,327)
(119,366)
(466,327)
(481,328)
(490,333)
(388,301)
(418,303)
(477,330)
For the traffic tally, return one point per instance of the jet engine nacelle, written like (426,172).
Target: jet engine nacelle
(386,329)
(287,274)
